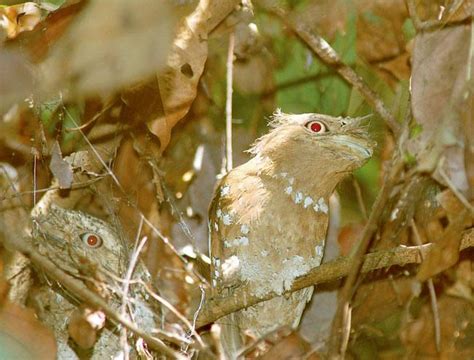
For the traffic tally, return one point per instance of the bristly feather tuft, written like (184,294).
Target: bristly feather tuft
(278,118)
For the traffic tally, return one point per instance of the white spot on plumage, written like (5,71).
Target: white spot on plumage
(284,174)
(264,253)
(289,190)
(225,190)
(307,201)
(291,181)
(219,213)
(244,229)
(319,251)
(323,206)
(394,214)
(243,240)
(240,241)
(298,197)
(230,267)
(253,271)
(226,219)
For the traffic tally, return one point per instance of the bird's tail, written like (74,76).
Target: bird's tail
(230,336)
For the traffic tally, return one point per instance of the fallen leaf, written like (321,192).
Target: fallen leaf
(60,168)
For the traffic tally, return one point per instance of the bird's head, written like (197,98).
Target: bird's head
(75,238)
(315,144)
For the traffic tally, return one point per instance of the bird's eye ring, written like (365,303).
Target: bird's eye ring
(316,126)
(92,240)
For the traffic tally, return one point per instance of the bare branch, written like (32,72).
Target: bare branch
(327,54)
(215,308)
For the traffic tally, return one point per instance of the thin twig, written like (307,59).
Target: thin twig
(126,284)
(119,185)
(453,188)
(228,105)
(336,348)
(327,54)
(34,177)
(216,308)
(170,307)
(74,186)
(96,153)
(434,302)
(360,199)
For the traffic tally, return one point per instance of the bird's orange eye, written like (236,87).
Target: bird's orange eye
(91,240)
(316,127)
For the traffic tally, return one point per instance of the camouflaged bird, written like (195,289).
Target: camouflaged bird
(269,217)
(87,248)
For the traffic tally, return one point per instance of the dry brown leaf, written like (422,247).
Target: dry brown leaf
(83,326)
(379,29)
(178,83)
(110,45)
(60,168)
(439,89)
(22,336)
(457,337)
(16,19)
(445,251)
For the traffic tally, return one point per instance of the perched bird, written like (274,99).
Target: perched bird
(89,249)
(269,217)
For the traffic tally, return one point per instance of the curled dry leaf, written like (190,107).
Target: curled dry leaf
(178,83)
(18,18)
(111,44)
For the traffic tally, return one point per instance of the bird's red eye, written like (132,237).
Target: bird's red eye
(91,240)
(316,127)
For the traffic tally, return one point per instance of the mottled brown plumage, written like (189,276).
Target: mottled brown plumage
(93,251)
(269,216)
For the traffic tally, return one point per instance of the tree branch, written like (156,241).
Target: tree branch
(327,54)
(215,308)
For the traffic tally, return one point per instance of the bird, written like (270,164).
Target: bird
(268,218)
(90,249)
